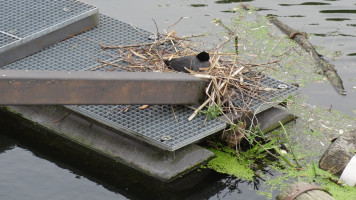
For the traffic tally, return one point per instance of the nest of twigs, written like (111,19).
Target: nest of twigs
(229,77)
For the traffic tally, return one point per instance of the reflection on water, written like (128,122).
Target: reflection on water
(198,5)
(36,172)
(306,4)
(26,176)
(337,19)
(339,11)
(231,1)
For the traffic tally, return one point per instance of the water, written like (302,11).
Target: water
(26,174)
(29,173)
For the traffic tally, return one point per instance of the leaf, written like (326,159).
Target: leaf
(143,107)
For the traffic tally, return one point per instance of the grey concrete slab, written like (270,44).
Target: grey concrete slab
(163,165)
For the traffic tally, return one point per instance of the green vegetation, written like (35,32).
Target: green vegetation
(292,151)
(227,162)
(212,111)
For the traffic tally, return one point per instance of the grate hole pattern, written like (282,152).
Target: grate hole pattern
(82,52)
(35,15)
(154,122)
(266,99)
(5,39)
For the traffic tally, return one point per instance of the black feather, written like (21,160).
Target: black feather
(190,62)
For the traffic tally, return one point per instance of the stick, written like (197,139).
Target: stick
(198,109)
(210,99)
(328,68)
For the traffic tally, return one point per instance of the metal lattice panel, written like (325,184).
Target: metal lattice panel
(277,92)
(164,126)
(81,53)
(26,17)
(28,26)
(6,39)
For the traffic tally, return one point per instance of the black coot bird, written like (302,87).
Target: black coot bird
(190,62)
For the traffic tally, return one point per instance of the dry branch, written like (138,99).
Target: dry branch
(328,69)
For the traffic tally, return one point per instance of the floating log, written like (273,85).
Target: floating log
(328,69)
(304,191)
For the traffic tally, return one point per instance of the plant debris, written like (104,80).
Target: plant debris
(229,78)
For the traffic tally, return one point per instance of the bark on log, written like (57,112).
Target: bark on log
(339,153)
(328,69)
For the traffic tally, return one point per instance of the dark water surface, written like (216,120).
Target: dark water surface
(26,173)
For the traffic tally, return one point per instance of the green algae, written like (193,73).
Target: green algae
(261,43)
(310,174)
(309,139)
(227,162)
(310,134)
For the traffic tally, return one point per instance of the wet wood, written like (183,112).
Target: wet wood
(304,191)
(328,69)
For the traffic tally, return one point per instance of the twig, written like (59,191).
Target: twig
(157,32)
(64,116)
(125,109)
(129,46)
(198,109)
(175,117)
(169,27)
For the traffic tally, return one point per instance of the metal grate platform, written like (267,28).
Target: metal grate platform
(164,126)
(278,91)
(28,26)
(81,53)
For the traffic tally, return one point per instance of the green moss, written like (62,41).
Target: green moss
(228,163)
(323,178)
(311,133)
(340,193)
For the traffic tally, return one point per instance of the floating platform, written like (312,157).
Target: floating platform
(159,140)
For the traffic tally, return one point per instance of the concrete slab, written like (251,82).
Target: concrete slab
(58,121)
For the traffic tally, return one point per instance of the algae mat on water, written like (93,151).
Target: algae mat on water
(309,135)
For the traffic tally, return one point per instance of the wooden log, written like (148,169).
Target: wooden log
(304,191)
(339,153)
(328,69)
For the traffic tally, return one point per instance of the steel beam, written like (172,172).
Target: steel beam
(18,87)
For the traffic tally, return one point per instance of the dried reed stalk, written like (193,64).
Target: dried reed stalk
(226,73)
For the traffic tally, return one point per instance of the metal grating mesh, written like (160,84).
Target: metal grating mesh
(266,99)
(5,39)
(155,122)
(81,53)
(26,17)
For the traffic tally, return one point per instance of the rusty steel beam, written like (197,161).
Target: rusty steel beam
(19,87)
